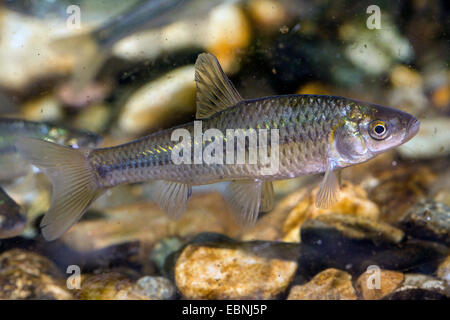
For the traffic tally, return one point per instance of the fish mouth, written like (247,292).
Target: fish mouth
(412,129)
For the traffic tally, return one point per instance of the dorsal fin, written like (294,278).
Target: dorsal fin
(215,92)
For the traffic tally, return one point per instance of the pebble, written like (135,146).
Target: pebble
(45,108)
(160,102)
(441,96)
(420,287)
(440,191)
(27,275)
(156,288)
(224,32)
(389,281)
(443,271)
(409,99)
(25,49)
(227,34)
(403,76)
(399,188)
(92,93)
(228,269)
(267,14)
(375,51)
(330,284)
(313,88)
(109,286)
(428,220)
(443,196)
(285,220)
(162,250)
(353,201)
(95,118)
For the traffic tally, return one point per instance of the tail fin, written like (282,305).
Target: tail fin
(88,54)
(73,179)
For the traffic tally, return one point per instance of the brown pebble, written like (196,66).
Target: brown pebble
(330,284)
(388,282)
(239,271)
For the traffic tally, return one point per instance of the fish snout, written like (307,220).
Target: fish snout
(412,128)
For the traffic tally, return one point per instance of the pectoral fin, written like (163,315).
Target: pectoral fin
(172,197)
(267,196)
(244,199)
(329,190)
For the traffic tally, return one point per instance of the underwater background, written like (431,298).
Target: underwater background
(102,73)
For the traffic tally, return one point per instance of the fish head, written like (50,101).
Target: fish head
(371,129)
(384,128)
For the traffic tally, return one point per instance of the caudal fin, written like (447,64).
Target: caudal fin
(73,179)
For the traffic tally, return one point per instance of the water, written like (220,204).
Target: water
(392,219)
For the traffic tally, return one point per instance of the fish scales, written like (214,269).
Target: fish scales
(304,122)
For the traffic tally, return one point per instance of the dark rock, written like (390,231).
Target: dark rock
(428,220)
(421,287)
(12,217)
(408,293)
(356,228)
(116,255)
(331,241)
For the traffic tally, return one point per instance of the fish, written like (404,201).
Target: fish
(11,163)
(12,217)
(93,47)
(310,134)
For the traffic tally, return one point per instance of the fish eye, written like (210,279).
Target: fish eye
(378,130)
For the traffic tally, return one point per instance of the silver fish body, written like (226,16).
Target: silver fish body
(308,134)
(304,123)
